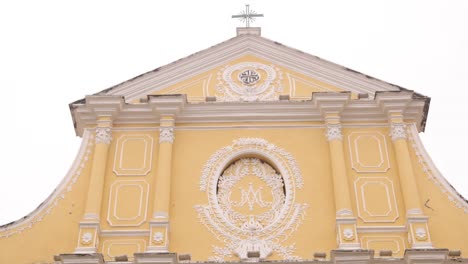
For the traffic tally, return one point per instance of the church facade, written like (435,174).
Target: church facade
(248,151)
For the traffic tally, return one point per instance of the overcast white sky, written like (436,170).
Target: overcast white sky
(55,52)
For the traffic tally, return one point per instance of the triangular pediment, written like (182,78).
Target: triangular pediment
(281,70)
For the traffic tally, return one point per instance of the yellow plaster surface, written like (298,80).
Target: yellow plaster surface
(296,85)
(132,166)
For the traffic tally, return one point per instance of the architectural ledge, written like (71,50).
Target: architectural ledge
(257,31)
(95,258)
(360,256)
(86,113)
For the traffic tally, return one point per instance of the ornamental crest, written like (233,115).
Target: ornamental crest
(251,199)
(249,81)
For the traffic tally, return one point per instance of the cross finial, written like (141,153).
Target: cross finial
(247,16)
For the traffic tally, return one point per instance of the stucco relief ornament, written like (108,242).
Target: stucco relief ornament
(420,233)
(103,135)
(398,131)
(251,205)
(166,134)
(334,132)
(348,234)
(158,237)
(249,81)
(86,238)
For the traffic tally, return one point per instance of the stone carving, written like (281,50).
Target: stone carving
(420,233)
(86,238)
(254,82)
(344,213)
(103,135)
(348,234)
(166,134)
(158,237)
(249,77)
(334,132)
(398,131)
(251,205)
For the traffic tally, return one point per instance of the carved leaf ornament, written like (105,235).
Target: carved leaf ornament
(250,187)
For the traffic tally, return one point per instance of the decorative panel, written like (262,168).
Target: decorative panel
(368,152)
(394,243)
(128,203)
(376,199)
(117,247)
(133,155)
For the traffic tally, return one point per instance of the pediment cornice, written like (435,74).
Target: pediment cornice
(309,65)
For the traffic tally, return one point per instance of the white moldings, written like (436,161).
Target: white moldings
(65,186)
(103,135)
(120,155)
(396,240)
(381,229)
(432,173)
(263,48)
(87,238)
(112,216)
(166,134)
(252,234)
(356,111)
(108,244)
(124,233)
(162,245)
(360,165)
(344,213)
(419,237)
(363,191)
(414,212)
(391,215)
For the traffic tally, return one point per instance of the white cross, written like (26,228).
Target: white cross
(247,16)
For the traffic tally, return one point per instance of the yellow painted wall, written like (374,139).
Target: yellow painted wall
(130,179)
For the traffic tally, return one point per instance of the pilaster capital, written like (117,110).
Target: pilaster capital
(166,129)
(397,131)
(166,135)
(103,135)
(334,132)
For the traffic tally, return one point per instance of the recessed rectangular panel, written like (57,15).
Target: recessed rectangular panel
(133,155)
(368,152)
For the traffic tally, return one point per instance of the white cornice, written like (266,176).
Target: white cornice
(359,111)
(236,47)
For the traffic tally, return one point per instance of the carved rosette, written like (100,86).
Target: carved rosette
(166,134)
(86,238)
(420,233)
(249,81)
(348,234)
(103,135)
(251,202)
(334,132)
(398,131)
